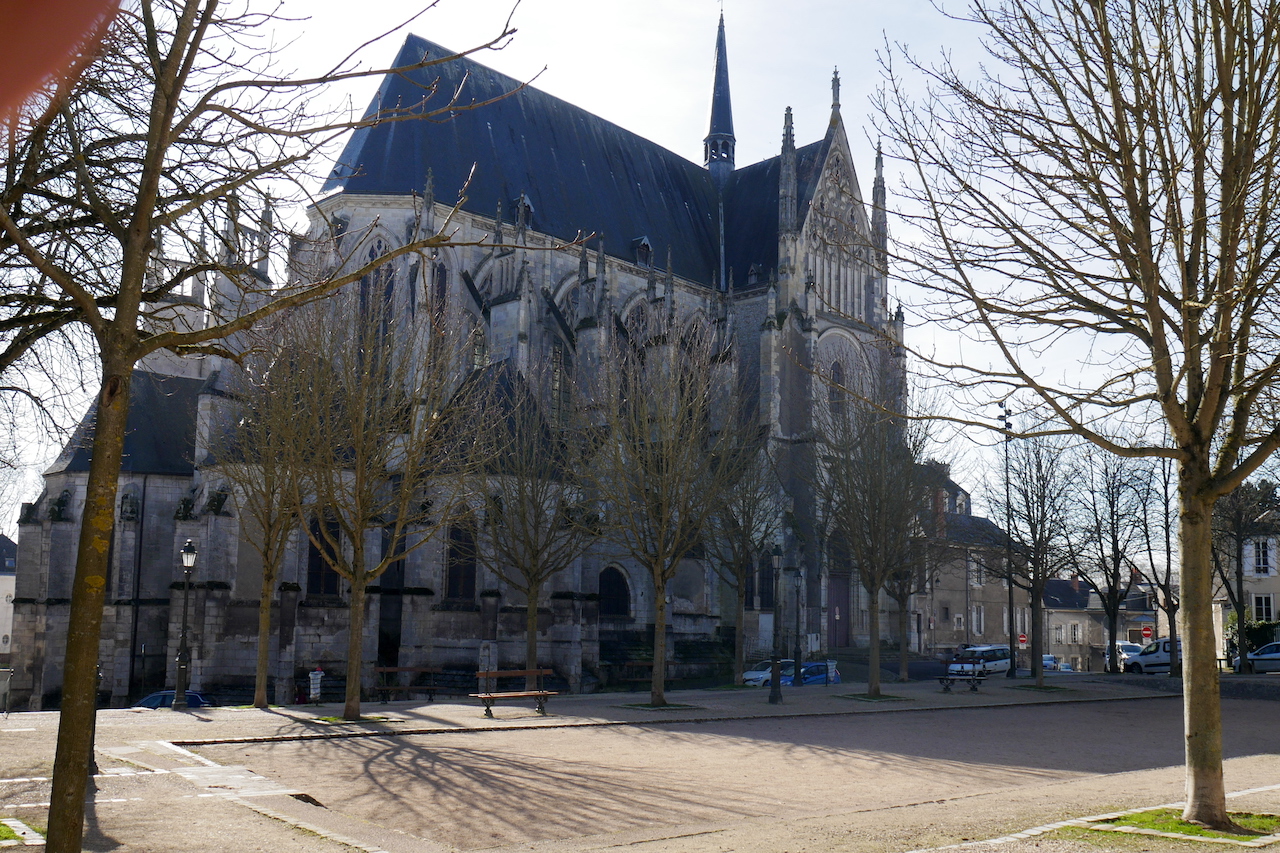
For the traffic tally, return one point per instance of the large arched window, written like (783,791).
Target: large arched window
(615,595)
(460,563)
(836,393)
(439,289)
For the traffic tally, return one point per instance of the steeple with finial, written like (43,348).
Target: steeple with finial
(718,146)
(880,214)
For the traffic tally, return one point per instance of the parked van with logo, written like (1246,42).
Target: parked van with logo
(1154,657)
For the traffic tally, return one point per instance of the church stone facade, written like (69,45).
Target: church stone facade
(785,258)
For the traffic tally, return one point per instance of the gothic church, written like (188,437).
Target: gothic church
(785,258)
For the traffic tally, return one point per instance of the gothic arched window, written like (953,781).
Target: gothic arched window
(439,289)
(836,393)
(460,563)
(615,594)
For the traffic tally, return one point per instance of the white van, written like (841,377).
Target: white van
(1154,657)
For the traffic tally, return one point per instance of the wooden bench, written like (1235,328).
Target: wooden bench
(972,680)
(538,695)
(387,675)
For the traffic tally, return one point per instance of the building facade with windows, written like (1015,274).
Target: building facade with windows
(1260,578)
(785,259)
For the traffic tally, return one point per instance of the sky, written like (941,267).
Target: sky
(645,65)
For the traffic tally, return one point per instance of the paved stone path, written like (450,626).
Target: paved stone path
(822,772)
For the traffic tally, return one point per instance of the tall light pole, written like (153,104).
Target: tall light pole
(188,554)
(1006,421)
(797,677)
(775,674)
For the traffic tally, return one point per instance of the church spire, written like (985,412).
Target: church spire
(718,146)
(879,235)
(787,178)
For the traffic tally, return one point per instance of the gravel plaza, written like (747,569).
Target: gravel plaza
(725,772)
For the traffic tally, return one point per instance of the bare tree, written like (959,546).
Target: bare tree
(253,453)
(660,469)
(1102,197)
(382,446)
(740,531)
(1038,516)
(109,181)
(537,522)
(1237,518)
(874,489)
(1110,497)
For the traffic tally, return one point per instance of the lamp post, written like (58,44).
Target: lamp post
(775,674)
(1007,422)
(188,554)
(797,678)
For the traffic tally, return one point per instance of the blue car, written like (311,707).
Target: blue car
(812,673)
(164,699)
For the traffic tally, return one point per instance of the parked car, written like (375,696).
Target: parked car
(1127,651)
(814,672)
(164,699)
(980,660)
(758,674)
(1265,659)
(1154,657)
(1049,662)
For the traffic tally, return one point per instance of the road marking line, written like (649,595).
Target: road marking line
(188,754)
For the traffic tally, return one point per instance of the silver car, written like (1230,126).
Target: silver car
(1265,659)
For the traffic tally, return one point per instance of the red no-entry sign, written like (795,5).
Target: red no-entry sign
(1022,641)
(1146,632)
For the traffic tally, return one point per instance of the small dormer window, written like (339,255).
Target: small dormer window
(643,251)
(753,275)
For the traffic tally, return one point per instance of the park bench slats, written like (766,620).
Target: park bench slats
(539,695)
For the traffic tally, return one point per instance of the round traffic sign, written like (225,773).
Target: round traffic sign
(1146,632)
(1022,639)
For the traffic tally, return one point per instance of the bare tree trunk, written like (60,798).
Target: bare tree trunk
(904,651)
(740,635)
(658,686)
(355,650)
(1242,637)
(79,697)
(1037,636)
(1202,713)
(873,659)
(1113,628)
(531,635)
(264,639)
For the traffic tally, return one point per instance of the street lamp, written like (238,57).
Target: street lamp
(798,677)
(1006,421)
(775,674)
(188,554)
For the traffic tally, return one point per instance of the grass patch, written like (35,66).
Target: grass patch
(340,720)
(866,697)
(670,706)
(1170,821)
(1048,688)
(7,834)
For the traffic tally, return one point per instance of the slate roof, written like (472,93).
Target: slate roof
(973,530)
(1063,594)
(161,430)
(580,172)
(8,554)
